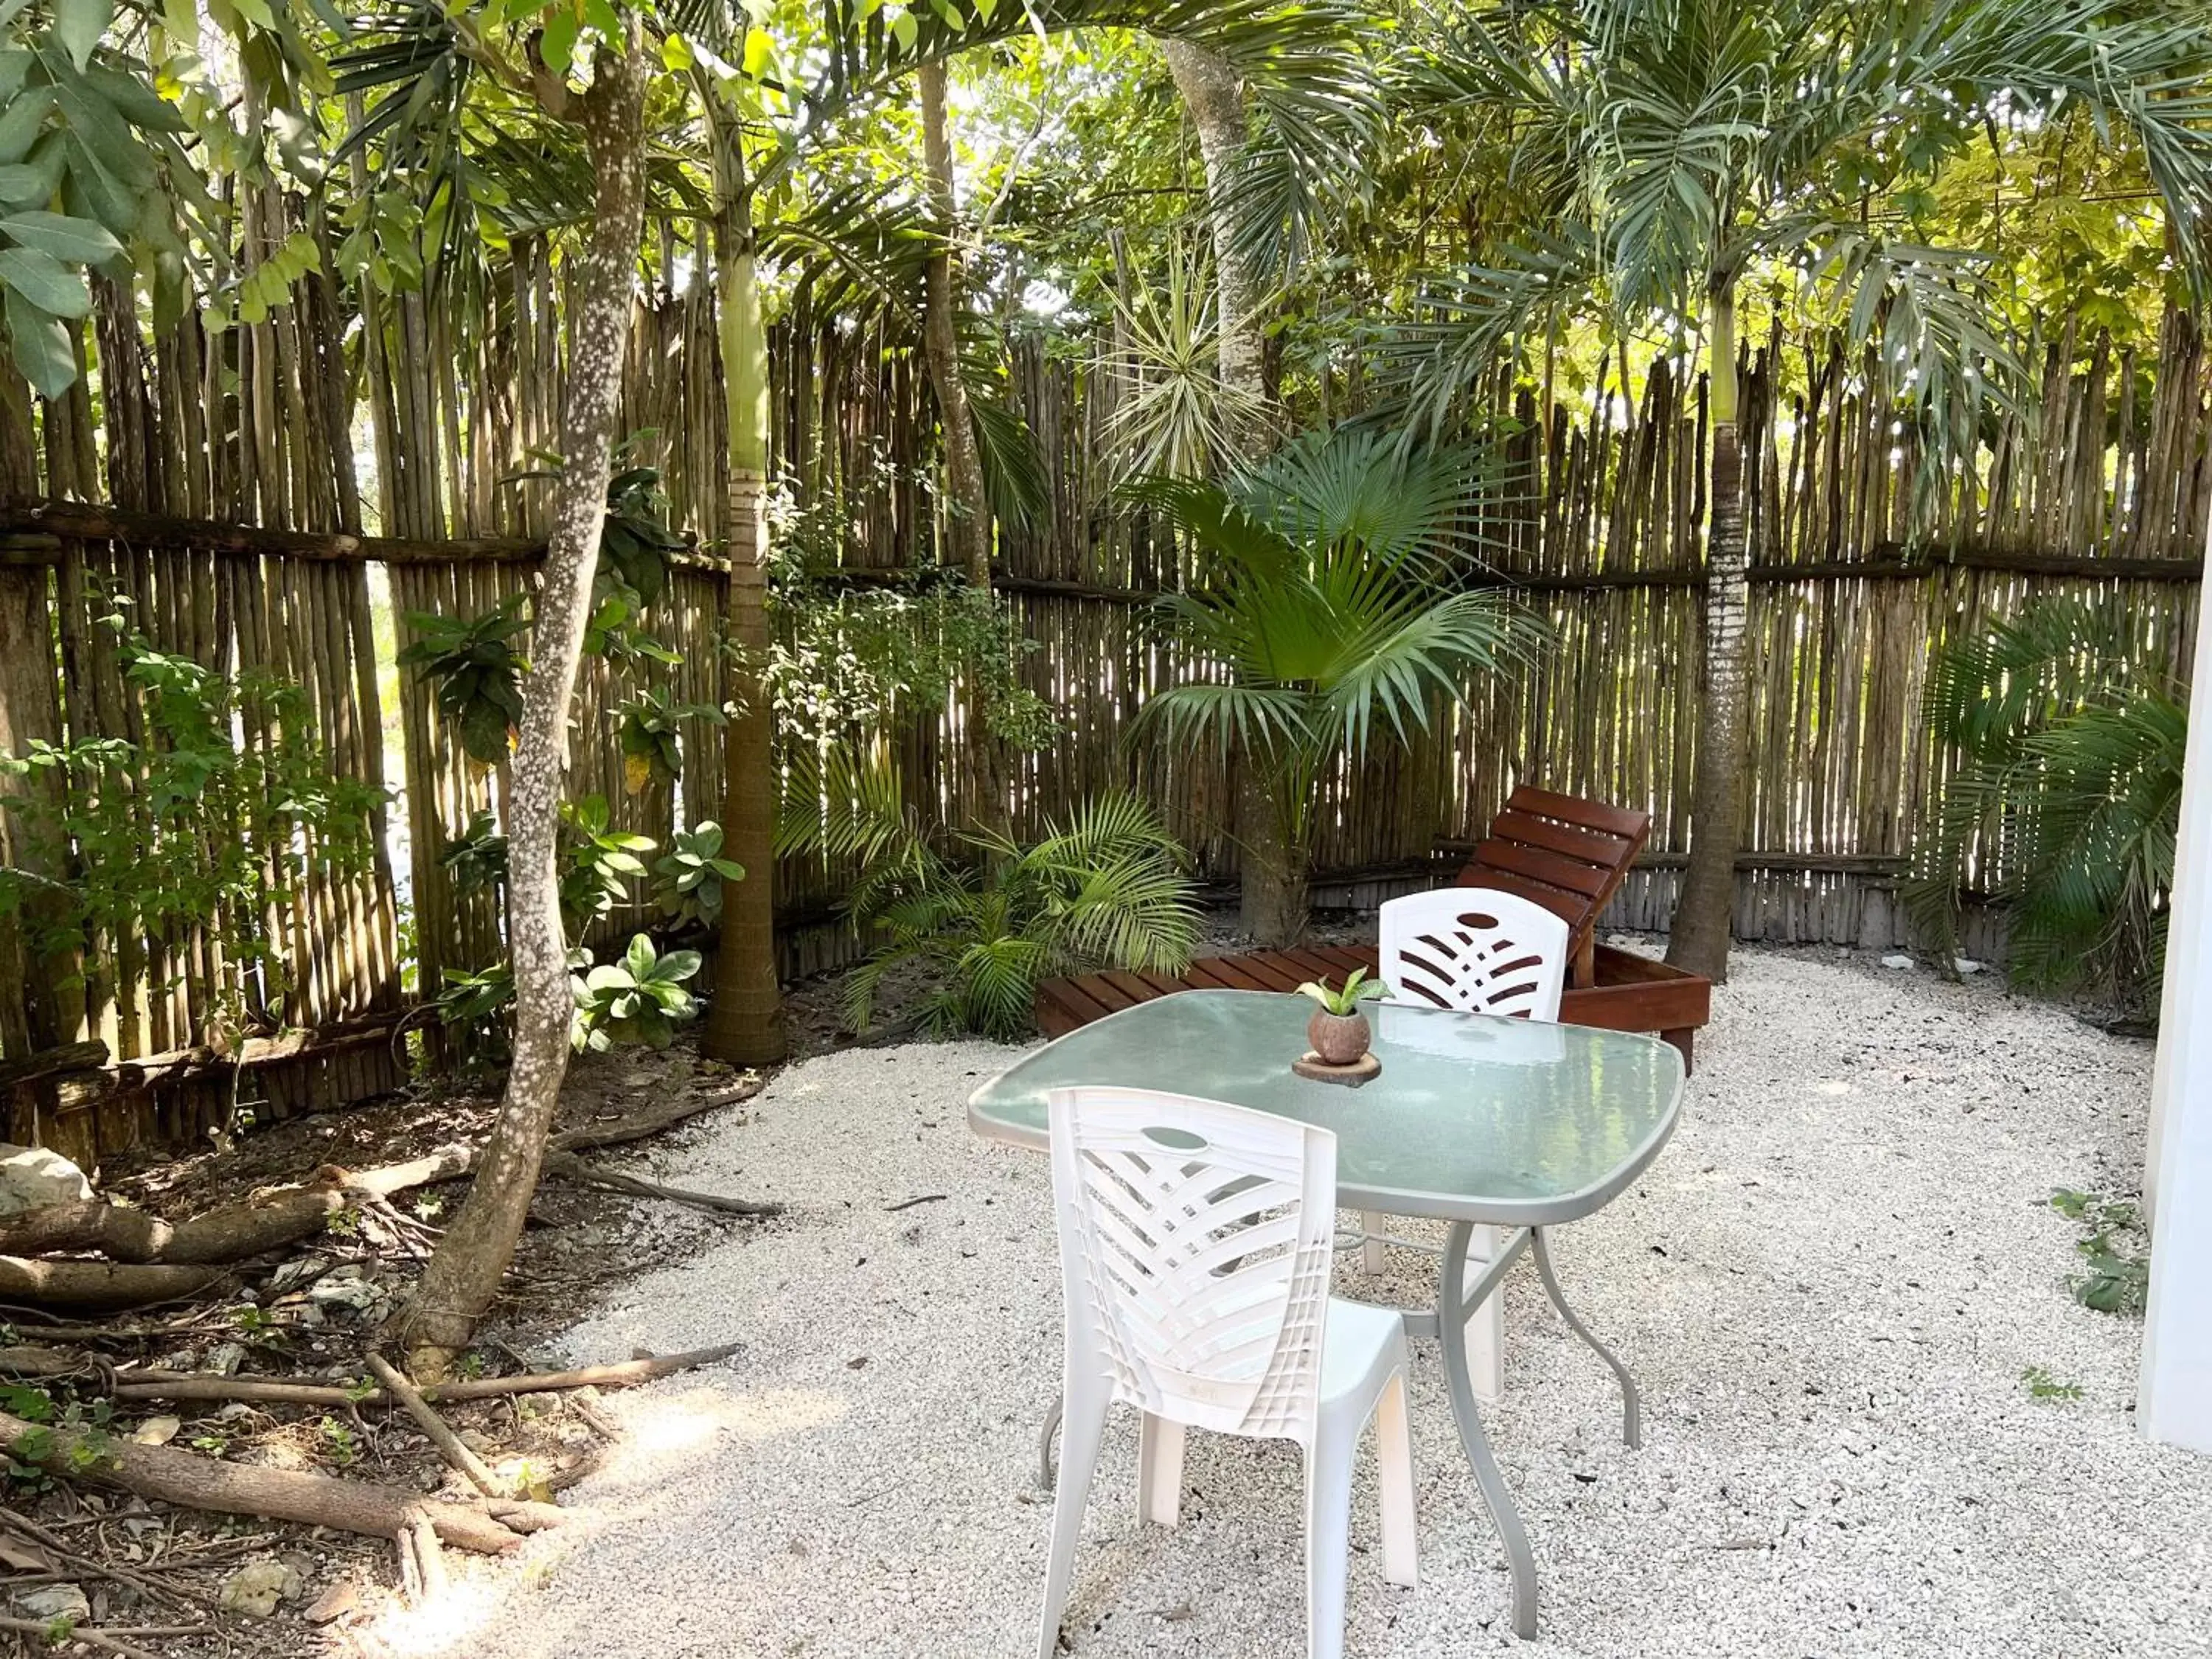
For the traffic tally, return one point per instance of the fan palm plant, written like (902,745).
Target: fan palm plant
(1688,146)
(1107,889)
(1334,602)
(2065,801)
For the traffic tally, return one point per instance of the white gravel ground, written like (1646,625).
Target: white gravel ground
(1829,1286)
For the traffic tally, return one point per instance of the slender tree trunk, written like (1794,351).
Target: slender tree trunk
(1703,917)
(963,464)
(1272,893)
(968,498)
(464,1273)
(744,1020)
(1273,903)
(1215,96)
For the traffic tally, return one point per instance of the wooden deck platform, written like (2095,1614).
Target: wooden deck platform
(1568,855)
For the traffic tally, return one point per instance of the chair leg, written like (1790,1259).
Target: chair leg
(1328,1538)
(1393,1447)
(1159,1471)
(1083,1428)
(1486,1326)
(1371,1248)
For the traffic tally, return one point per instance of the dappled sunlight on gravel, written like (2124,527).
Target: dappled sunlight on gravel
(1829,1286)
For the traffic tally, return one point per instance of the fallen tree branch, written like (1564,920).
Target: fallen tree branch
(90,1635)
(100,1284)
(592,1136)
(202,1483)
(567,1166)
(277,1391)
(83,1565)
(230,1233)
(449,1444)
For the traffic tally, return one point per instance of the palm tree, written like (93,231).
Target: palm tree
(756,134)
(2065,802)
(1335,603)
(1689,147)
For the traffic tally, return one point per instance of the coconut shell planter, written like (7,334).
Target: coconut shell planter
(1339,1032)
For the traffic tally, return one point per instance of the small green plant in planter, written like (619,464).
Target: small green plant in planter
(1338,1030)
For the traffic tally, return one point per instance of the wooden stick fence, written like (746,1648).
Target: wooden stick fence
(217,490)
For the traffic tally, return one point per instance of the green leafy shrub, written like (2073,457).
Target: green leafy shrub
(688,879)
(2065,801)
(1107,890)
(648,729)
(212,821)
(477,670)
(597,862)
(640,999)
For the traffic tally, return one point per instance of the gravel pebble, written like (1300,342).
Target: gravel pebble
(1829,1286)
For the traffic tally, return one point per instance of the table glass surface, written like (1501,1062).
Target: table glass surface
(1472,1117)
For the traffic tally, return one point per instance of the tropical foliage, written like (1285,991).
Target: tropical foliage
(2065,801)
(1333,596)
(981,923)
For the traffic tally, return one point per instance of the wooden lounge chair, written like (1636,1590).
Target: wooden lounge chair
(1568,855)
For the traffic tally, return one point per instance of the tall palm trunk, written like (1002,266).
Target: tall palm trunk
(464,1273)
(1704,914)
(966,495)
(963,464)
(744,1020)
(1215,96)
(1271,898)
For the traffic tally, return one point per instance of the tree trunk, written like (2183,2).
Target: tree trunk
(464,1273)
(1215,96)
(745,1018)
(969,500)
(1271,896)
(1703,916)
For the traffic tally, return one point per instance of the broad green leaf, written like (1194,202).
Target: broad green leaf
(21,122)
(45,281)
(20,184)
(41,347)
(557,44)
(78,241)
(78,25)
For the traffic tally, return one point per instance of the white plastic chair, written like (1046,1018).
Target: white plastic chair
(1194,1248)
(1479,950)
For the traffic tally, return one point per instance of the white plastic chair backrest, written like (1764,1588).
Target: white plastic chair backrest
(1476,950)
(1195,1244)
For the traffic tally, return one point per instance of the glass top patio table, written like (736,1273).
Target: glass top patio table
(1472,1118)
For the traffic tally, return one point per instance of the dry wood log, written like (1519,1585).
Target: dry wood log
(201,1483)
(418,1547)
(278,1391)
(230,1233)
(449,1444)
(628,1129)
(24,1360)
(100,1284)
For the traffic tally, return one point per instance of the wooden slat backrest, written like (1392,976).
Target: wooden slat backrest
(1568,855)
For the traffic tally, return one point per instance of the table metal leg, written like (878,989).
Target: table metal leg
(1455,1302)
(1631,1416)
(1044,1444)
